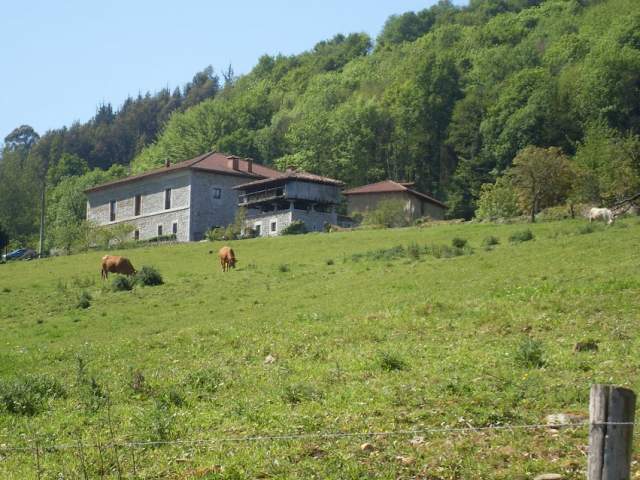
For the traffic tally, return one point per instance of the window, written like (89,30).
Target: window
(167,199)
(217,193)
(159,230)
(257,228)
(136,235)
(137,205)
(112,211)
(274,225)
(174,228)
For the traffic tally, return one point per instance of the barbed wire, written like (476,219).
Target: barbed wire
(303,436)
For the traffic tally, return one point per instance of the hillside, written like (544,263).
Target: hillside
(366,338)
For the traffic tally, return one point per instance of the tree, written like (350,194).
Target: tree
(4,239)
(542,177)
(22,138)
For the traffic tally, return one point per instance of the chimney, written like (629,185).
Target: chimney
(167,163)
(249,165)
(232,162)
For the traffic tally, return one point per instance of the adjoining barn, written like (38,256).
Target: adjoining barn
(417,204)
(274,203)
(184,199)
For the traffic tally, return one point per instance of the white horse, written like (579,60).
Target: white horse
(604,214)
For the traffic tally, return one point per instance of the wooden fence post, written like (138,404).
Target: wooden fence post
(611,416)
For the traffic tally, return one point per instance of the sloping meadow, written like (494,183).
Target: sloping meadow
(365,331)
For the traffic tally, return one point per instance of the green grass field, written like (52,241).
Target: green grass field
(364,341)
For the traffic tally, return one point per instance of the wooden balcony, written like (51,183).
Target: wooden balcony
(261,196)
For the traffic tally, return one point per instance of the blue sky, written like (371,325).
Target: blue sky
(61,58)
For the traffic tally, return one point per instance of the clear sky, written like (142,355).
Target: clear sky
(60,58)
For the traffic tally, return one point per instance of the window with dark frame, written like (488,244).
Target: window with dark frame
(112,211)
(136,235)
(273,226)
(174,228)
(217,193)
(159,230)
(167,199)
(137,205)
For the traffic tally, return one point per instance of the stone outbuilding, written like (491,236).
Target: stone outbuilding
(274,203)
(184,199)
(417,204)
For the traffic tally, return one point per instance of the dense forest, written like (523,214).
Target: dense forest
(447,97)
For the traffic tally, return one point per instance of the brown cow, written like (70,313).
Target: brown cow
(227,258)
(116,264)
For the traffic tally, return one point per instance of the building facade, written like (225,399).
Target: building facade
(184,199)
(416,204)
(274,203)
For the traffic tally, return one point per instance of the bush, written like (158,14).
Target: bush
(414,251)
(390,362)
(458,242)
(521,236)
(148,276)
(297,227)
(530,354)
(283,267)
(215,234)
(121,283)
(162,238)
(27,395)
(588,228)
(497,200)
(388,213)
(329,261)
(490,241)
(84,300)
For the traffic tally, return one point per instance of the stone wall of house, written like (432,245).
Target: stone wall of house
(208,211)
(152,214)
(314,221)
(264,222)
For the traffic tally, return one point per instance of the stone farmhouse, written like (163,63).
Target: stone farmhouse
(184,199)
(273,203)
(417,204)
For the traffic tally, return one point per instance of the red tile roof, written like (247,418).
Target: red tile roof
(291,175)
(210,162)
(389,186)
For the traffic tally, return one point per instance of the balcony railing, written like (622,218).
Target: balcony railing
(261,196)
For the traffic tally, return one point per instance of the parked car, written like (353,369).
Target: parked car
(20,254)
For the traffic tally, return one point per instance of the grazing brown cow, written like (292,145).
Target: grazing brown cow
(227,258)
(115,264)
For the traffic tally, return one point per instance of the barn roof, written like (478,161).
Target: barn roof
(210,162)
(389,186)
(290,175)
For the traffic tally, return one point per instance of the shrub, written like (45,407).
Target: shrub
(490,241)
(458,242)
(162,238)
(530,353)
(148,276)
(497,200)
(329,261)
(283,267)
(390,362)
(84,300)
(521,236)
(27,395)
(121,283)
(215,233)
(588,228)
(297,227)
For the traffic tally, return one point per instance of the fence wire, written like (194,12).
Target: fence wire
(301,436)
